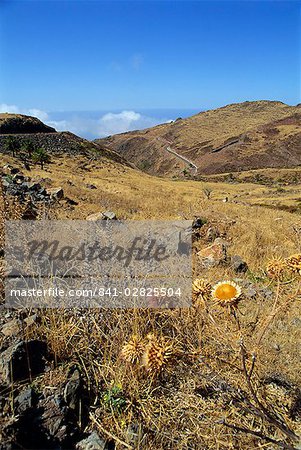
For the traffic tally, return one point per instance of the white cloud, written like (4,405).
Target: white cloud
(108,124)
(112,123)
(42,115)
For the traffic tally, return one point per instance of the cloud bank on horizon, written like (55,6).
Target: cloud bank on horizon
(107,124)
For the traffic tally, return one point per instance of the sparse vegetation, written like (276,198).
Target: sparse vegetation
(12,145)
(210,370)
(221,374)
(41,157)
(28,147)
(113,399)
(144,165)
(204,139)
(208,374)
(207,192)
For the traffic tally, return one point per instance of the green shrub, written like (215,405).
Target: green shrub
(40,156)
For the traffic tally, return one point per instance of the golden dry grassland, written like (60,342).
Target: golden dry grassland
(218,375)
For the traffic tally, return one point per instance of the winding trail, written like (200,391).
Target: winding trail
(193,167)
(191,164)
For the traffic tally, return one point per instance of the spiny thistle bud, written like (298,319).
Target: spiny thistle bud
(157,354)
(202,288)
(294,263)
(276,268)
(133,350)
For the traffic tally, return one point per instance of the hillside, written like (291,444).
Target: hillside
(19,123)
(84,374)
(24,129)
(219,369)
(242,136)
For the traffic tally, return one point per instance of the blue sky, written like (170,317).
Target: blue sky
(132,56)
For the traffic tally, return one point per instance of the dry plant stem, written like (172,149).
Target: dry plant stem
(276,310)
(251,409)
(265,413)
(236,319)
(271,316)
(27,353)
(110,435)
(260,435)
(252,366)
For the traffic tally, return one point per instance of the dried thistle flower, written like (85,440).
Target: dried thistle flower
(157,354)
(202,288)
(293,263)
(276,268)
(226,293)
(133,350)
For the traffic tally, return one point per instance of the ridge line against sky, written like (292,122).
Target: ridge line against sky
(98,124)
(127,57)
(93,125)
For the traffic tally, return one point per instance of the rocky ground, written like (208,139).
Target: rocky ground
(47,396)
(229,379)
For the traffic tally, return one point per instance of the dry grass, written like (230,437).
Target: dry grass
(217,125)
(204,388)
(132,194)
(195,137)
(221,388)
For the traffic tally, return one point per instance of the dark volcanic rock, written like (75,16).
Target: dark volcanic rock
(45,423)
(198,223)
(71,202)
(23,360)
(238,264)
(57,420)
(72,389)
(25,400)
(26,190)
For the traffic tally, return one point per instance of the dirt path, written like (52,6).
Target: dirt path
(191,164)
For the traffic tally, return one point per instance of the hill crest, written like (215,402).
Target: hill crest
(20,123)
(216,140)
